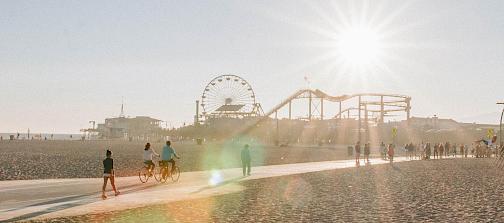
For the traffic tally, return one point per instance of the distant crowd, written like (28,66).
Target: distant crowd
(426,150)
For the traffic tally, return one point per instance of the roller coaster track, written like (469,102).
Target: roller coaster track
(319,94)
(400,102)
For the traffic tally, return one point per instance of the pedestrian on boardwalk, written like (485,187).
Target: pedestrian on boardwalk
(391,152)
(108,173)
(357,153)
(428,151)
(383,151)
(436,150)
(367,151)
(246,160)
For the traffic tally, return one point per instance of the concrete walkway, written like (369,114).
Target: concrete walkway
(40,199)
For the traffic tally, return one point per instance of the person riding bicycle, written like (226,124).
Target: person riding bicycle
(147,156)
(167,156)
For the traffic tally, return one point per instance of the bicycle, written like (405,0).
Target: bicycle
(163,172)
(145,173)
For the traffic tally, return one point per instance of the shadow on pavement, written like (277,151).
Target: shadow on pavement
(234,180)
(68,201)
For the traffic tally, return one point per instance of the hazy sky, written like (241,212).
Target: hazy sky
(63,63)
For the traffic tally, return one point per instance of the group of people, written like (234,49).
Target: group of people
(426,150)
(166,157)
(148,154)
(386,152)
(438,150)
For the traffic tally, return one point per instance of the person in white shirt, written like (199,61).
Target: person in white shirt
(148,155)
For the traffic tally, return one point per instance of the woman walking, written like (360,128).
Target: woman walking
(108,173)
(391,152)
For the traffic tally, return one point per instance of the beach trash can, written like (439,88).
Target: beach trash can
(350,151)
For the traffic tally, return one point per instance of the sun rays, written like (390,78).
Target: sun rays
(351,42)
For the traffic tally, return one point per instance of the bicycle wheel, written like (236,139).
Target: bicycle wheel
(175,174)
(161,174)
(143,175)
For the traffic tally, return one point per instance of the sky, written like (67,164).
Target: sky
(64,63)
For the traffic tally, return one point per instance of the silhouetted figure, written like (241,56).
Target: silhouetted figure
(391,152)
(436,150)
(383,151)
(246,159)
(367,151)
(428,150)
(108,173)
(357,153)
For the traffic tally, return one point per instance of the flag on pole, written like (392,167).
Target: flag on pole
(307,81)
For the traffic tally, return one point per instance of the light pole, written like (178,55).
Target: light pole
(500,123)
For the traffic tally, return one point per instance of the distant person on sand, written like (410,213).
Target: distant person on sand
(147,157)
(428,151)
(108,173)
(367,151)
(447,147)
(391,152)
(167,156)
(436,150)
(246,160)
(357,153)
(383,150)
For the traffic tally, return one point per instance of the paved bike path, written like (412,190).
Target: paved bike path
(39,199)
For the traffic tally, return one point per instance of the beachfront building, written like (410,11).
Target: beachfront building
(137,128)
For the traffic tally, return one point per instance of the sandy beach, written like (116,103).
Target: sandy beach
(454,190)
(24,160)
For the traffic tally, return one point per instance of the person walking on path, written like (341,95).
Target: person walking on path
(383,151)
(447,147)
(436,150)
(391,152)
(108,173)
(428,150)
(367,151)
(246,159)
(357,153)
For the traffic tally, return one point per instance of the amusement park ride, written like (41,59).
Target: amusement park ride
(230,96)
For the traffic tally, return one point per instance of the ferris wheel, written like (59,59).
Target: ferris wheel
(228,95)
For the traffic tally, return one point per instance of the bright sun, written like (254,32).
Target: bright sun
(359,47)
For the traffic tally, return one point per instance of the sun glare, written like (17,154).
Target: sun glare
(359,47)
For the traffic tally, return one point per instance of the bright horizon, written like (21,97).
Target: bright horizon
(66,63)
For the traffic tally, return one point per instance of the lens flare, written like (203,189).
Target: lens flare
(215,178)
